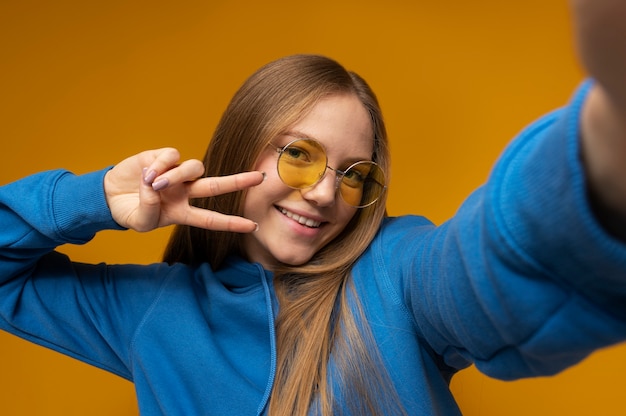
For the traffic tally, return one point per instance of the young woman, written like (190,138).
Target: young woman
(285,288)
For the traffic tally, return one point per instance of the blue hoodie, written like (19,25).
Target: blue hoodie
(522,281)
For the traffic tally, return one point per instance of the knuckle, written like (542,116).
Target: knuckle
(210,223)
(214,187)
(171,152)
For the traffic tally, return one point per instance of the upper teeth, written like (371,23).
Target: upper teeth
(300,219)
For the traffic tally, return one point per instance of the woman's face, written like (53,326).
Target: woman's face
(295,223)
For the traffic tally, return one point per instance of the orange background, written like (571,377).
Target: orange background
(85,84)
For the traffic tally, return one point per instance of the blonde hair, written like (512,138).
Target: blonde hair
(314,314)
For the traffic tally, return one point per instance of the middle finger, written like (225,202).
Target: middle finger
(219,185)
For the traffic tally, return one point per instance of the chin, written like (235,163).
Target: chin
(294,261)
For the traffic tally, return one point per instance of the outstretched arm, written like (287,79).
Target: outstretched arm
(601,37)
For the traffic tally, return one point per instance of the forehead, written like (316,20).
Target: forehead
(341,123)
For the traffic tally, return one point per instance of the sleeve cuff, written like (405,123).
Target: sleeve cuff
(80,208)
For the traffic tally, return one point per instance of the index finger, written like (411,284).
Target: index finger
(218,185)
(216,221)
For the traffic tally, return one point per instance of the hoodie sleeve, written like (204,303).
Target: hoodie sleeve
(523,280)
(86,311)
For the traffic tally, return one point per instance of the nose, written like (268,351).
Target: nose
(324,192)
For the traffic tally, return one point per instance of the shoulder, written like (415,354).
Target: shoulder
(396,239)
(394,229)
(403,222)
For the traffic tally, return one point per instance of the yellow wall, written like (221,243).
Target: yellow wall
(85,83)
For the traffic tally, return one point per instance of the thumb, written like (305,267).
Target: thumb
(146,216)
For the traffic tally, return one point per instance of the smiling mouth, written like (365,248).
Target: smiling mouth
(308,222)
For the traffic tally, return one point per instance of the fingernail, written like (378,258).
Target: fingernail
(264,176)
(257,227)
(148,177)
(160,184)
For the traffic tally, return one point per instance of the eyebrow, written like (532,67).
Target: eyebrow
(296,134)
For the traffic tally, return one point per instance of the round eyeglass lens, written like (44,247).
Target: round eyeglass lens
(362,184)
(302,163)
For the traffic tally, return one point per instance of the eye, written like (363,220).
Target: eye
(304,152)
(296,153)
(354,178)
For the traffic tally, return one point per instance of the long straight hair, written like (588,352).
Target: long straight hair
(319,311)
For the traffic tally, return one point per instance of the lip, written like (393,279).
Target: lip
(309,221)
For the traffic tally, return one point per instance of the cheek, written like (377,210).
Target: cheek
(266,164)
(343,215)
(259,198)
(347,214)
